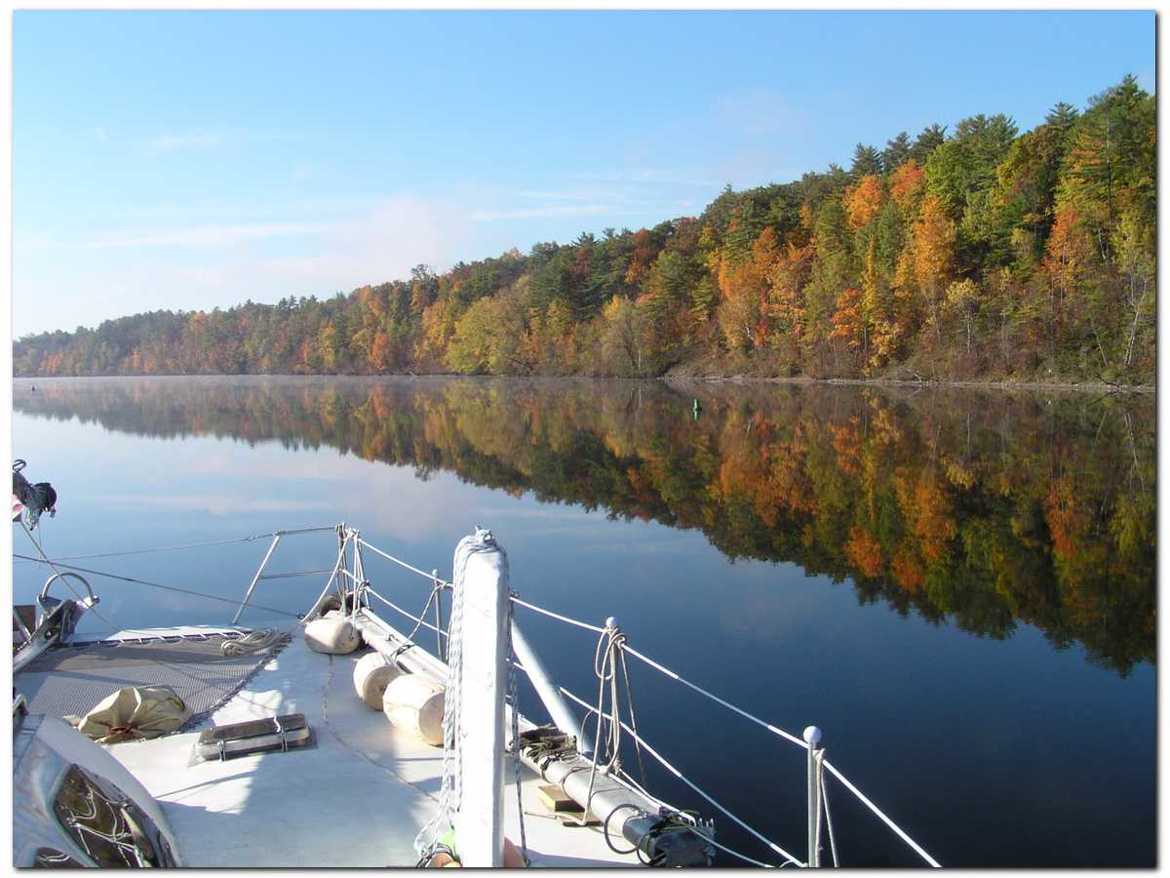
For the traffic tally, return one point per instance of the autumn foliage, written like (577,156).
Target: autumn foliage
(978,252)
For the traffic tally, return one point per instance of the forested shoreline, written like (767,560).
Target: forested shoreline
(979,254)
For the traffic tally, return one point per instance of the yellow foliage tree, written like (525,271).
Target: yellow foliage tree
(934,250)
(863,202)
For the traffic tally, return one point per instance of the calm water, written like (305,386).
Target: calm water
(957,586)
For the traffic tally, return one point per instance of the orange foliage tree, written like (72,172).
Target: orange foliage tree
(744,286)
(906,183)
(863,201)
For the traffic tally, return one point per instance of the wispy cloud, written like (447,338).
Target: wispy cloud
(302,171)
(378,244)
(763,133)
(206,254)
(642,193)
(208,236)
(560,195)
(643,178)
(177,141)
(542,212)
(760,112)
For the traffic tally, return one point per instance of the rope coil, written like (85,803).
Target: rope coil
(253,642)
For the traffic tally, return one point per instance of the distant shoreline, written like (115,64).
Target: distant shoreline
(1096,387)
(681,380)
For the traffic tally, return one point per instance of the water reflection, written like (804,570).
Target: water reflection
(987,508)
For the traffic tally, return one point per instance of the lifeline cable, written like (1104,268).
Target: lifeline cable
(174,588)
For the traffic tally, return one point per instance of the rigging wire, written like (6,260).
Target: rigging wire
(397,561)
(661,759)
(669,673)
(419,622)
(174,588)
(878,811)
(44,559)
(594,628)
(625,647)
(825,801)
(901,833)
(515,730)
(151,549)
(633,715)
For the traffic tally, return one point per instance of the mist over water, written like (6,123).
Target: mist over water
(958,586)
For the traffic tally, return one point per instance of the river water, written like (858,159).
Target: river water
(957,586)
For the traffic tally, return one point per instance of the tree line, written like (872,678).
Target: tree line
(977,252)
(983,510)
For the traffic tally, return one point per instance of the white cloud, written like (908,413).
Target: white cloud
(221,264)
(207,254)
(381,244)
(209,236)
(543,211)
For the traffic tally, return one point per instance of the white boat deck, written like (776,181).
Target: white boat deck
(356,798)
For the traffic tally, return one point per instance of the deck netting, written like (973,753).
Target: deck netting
(72,679)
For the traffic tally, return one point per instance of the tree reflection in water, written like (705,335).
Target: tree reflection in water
(988,508)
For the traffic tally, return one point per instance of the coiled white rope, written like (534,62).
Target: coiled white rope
(605,669)
(252,642)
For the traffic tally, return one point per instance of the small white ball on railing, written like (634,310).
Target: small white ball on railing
(812,736)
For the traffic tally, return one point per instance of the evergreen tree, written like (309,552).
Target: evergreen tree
(897,151)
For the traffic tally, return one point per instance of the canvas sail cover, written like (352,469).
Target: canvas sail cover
(134,713)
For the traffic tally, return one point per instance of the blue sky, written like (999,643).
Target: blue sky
(199,159)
